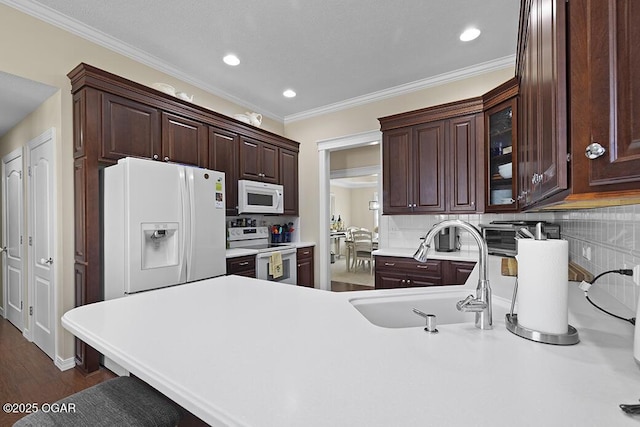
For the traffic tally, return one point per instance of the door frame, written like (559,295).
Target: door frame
(47,136)
(18,152)
(325,147)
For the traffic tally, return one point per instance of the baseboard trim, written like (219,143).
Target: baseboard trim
(65,364)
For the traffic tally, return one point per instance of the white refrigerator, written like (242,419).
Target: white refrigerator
(163,225)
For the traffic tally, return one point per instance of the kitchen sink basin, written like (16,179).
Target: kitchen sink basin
(396,311)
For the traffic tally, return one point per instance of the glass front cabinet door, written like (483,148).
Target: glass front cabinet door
(501,139)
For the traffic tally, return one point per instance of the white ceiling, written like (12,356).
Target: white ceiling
(18,98)
(331,52)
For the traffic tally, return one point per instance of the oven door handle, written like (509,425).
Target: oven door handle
(283,253)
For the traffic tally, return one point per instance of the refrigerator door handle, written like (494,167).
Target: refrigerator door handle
(191,224)
(186,221)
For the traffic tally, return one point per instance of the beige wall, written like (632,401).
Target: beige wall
(355,157)
(364,119)
(38,51)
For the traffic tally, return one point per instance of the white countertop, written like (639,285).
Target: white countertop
(240,351)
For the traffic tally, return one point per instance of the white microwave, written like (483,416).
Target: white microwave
(260,197)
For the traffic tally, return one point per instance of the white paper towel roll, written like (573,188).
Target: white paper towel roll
(543,285)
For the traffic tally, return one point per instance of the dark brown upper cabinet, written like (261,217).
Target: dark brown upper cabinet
(223,157)
(289,180)
(183,140)
(258,161)
(430,159)
(129,128)
(605,94)
(579,70)
(501,148)
(541,67)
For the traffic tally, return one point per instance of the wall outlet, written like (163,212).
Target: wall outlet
(636,275)
(586,252)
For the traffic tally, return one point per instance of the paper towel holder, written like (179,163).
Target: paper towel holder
(511,321)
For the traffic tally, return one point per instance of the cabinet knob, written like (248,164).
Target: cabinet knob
(156,157)
(594,150)
(166,158)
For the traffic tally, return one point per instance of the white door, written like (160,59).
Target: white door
(12,245)
(41,242)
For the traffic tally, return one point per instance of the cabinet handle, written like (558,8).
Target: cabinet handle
(594,150)
(423,266)
(156,157)
(244,263)
(305,253)
(166,158)
(403,282)
(299,265)
(389,264)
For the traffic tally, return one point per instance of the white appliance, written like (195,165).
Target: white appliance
(260,197)
(258,238)
(164,224)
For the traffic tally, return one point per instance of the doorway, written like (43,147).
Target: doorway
(354,191)
(325,150)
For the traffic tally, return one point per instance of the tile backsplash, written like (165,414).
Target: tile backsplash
(608,237)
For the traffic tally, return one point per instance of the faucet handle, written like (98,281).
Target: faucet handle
(460,304)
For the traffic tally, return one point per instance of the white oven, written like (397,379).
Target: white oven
(257,238)
(260,197)
(289,266)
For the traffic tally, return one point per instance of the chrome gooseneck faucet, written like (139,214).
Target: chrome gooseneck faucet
(481,304)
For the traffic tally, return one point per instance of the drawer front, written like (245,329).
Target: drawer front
(241,265)
(304,253)
(409,266)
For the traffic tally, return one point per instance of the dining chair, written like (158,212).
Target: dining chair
(351,256)
(363,247)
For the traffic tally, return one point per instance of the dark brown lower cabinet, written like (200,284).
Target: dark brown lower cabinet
(242,266)
(398,272)
(304,257)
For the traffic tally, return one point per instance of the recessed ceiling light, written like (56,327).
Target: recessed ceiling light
(289,93)
(469,34)
(231,59)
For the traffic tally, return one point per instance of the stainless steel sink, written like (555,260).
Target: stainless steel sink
(396,311)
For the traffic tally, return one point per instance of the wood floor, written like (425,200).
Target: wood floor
(27,375)
(344,287)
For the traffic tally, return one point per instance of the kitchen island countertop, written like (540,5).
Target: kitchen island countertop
(259,353)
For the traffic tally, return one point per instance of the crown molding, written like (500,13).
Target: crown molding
(463,73)
(93,35)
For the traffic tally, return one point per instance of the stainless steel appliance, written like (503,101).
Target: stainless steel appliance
(258,238)
(260,197)
(447,240)
(501,235)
